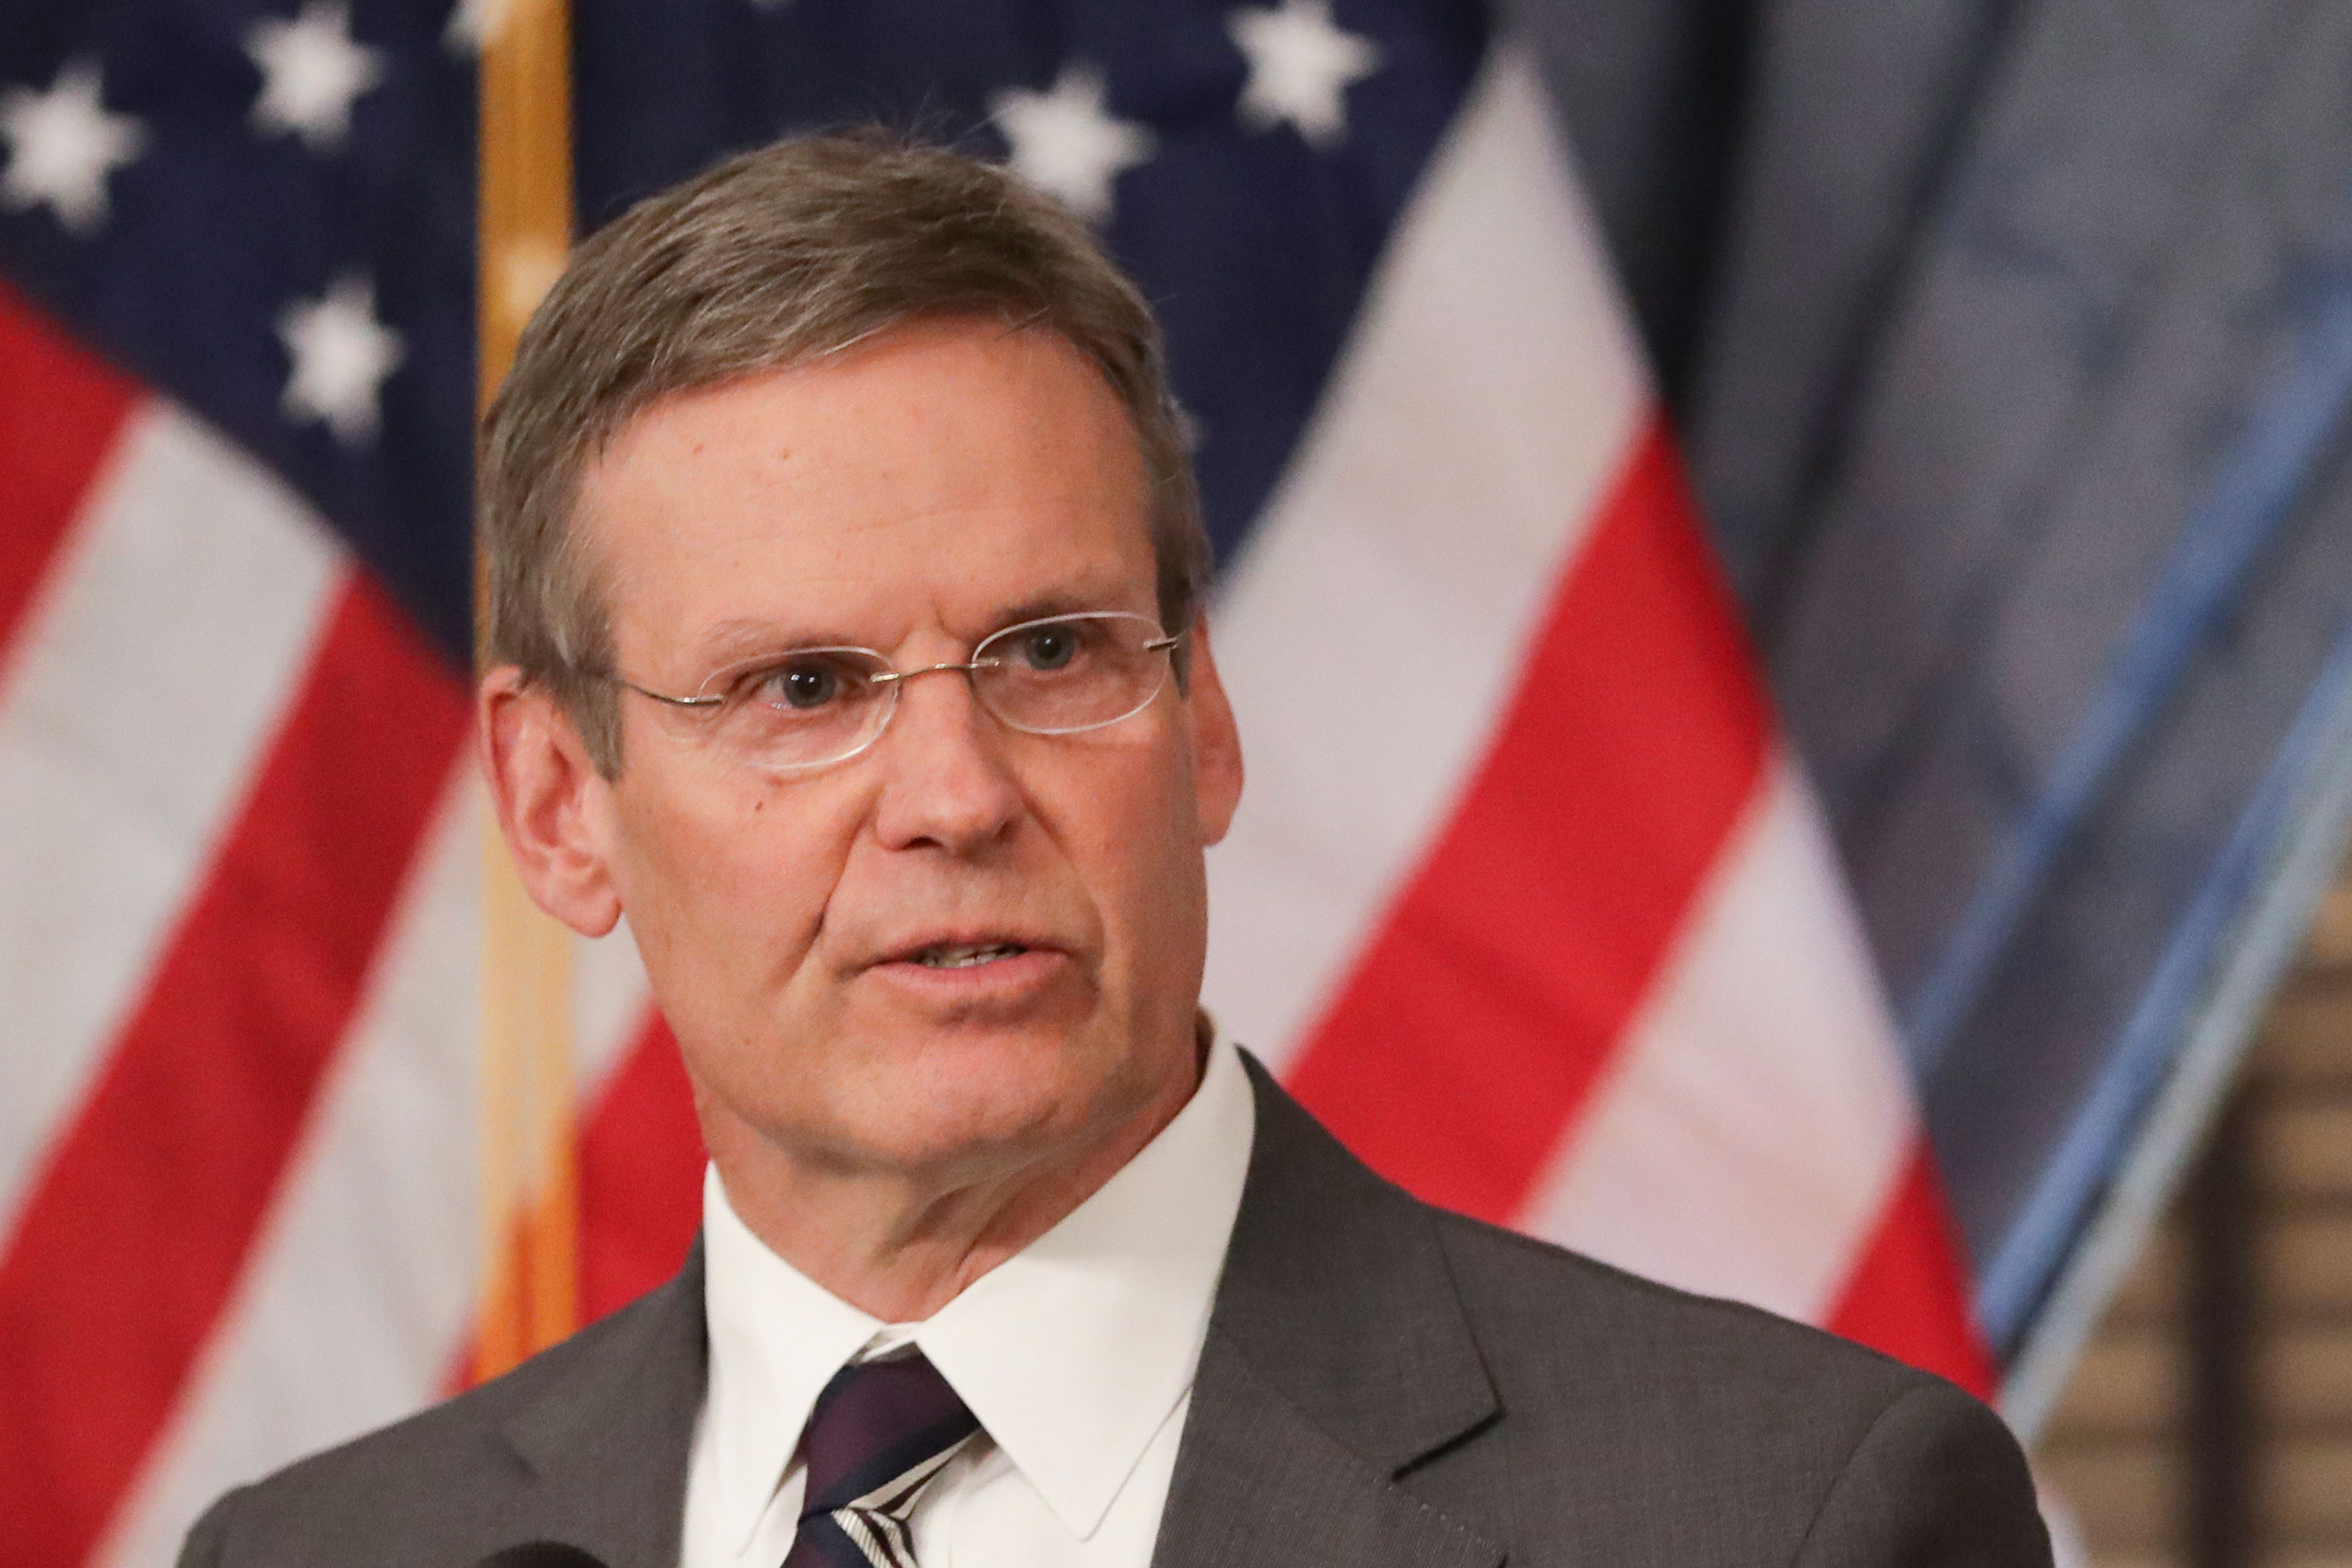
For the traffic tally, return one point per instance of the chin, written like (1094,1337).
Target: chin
(994,1097)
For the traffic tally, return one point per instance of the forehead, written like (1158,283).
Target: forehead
(941,474)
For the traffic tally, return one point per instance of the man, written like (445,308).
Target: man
(844,635)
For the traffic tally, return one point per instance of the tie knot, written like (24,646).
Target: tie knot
(880,1430)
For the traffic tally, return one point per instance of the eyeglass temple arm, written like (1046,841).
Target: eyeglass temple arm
(712,701)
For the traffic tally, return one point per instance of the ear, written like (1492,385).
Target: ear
(552,803)
(1216,741)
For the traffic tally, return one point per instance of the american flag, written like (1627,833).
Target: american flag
(1526,897)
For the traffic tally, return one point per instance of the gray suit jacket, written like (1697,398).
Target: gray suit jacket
(1383,1384)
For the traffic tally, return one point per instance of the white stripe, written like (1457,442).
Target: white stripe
(861,1535)
(183,613)
(1378,619)
(361,1288)
(1754,1121)
(360,1282)
(896,1496)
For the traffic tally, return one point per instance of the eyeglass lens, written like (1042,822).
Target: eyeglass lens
(1056,676)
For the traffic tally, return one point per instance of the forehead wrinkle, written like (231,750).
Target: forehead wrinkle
(750,637)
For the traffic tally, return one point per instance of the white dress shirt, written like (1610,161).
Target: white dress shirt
(1077,1354)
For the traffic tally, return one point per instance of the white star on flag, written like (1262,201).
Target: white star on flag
(473,24)
(342,355)
(1299,68)
(62,145)
(1066,143)
(312,72)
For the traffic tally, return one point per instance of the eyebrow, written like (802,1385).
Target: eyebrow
(1045,606)
(731,641)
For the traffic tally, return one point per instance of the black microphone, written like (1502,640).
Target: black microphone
(542,1554)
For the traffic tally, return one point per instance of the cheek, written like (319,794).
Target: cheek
(726,887)
(1144,860)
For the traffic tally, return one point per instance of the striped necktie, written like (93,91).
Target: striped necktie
(881,1432)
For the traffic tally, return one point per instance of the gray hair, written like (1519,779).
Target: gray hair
(769,259)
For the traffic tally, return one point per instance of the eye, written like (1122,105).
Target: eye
(802,683)
(810,686)
(1049,647)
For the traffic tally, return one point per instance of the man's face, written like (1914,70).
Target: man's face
(911,495)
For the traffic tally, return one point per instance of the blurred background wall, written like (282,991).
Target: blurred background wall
(2210,1419)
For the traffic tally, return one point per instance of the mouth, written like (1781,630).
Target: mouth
(1001,973)
(968,947)
(965,956)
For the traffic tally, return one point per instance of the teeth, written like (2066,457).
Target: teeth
(965,957)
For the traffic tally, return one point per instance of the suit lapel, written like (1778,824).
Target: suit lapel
(607,1447)
(1338,1357)
(1260,1485)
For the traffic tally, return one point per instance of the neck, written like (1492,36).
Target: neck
(900,1245)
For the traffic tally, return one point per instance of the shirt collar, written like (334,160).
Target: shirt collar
(1072,1352)
(776,1337)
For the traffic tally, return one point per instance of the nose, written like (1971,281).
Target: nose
(946,784)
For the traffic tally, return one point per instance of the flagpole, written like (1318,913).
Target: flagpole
(530,1201)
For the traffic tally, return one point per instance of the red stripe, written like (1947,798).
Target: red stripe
(1908,1295)
(59,413)
(141,1218)
(640,1176)
(1477,1018)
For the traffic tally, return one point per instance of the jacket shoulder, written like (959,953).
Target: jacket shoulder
(1694,1416)
(435,1480)
(1537,1305)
